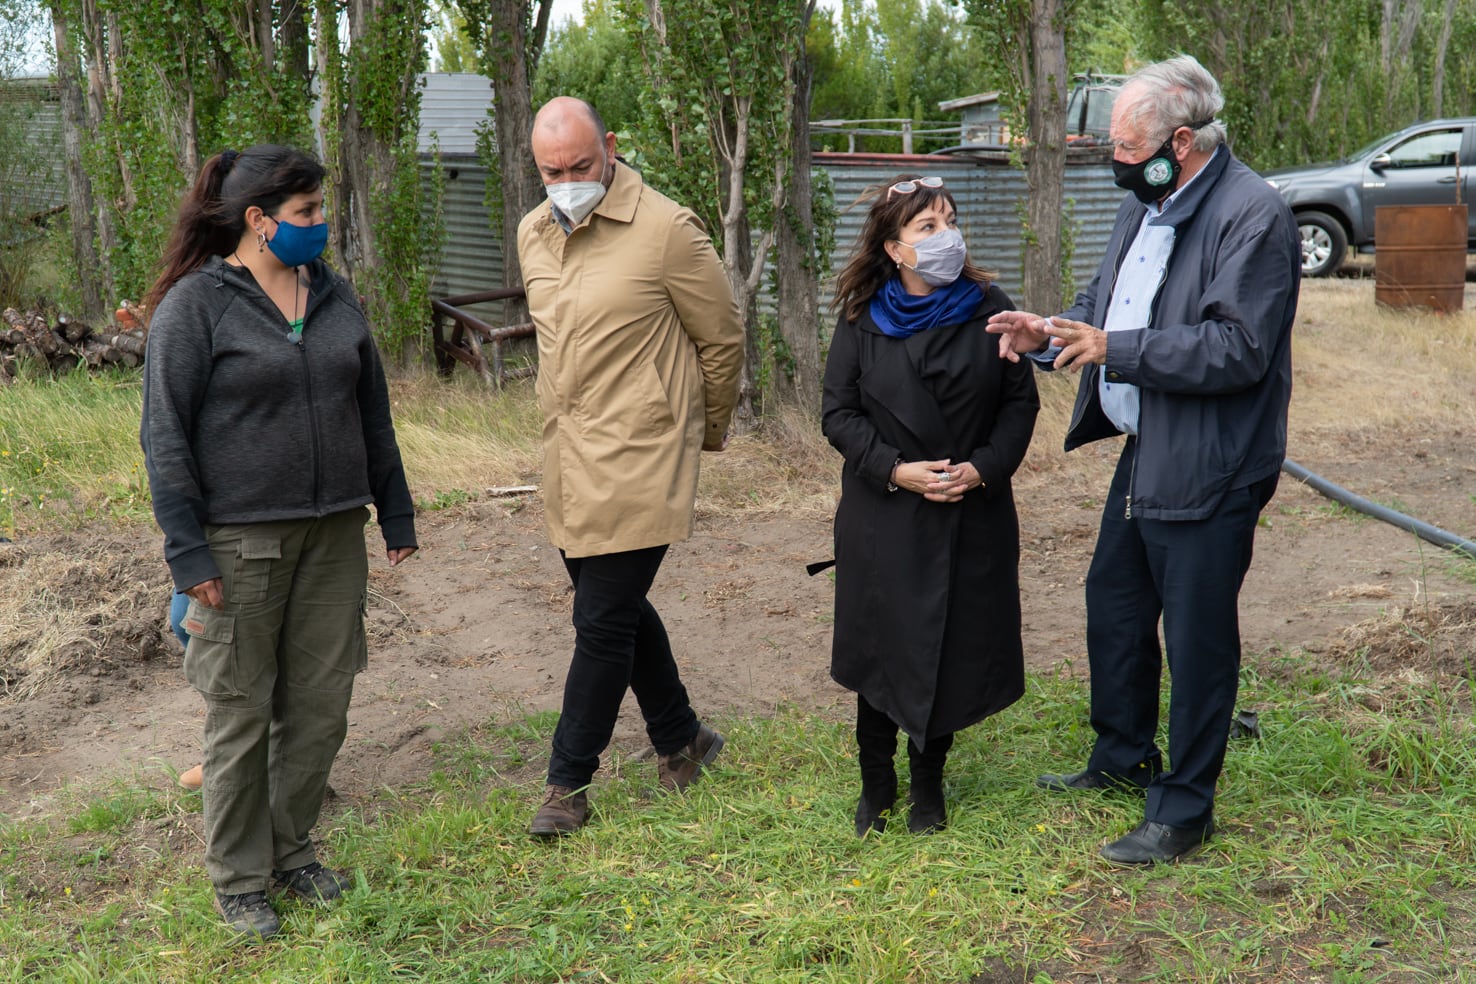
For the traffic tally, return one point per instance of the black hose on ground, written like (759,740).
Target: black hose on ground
(1424,531)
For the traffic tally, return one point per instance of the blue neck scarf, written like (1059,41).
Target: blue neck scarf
(900,314)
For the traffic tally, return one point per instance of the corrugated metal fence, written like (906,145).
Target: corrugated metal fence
(990,196)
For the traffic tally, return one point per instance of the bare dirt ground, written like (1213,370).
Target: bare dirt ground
(476,627)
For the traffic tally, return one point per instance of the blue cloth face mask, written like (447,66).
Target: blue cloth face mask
(940,257)
(297,245)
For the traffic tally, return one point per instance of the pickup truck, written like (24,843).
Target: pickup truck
(1426,164)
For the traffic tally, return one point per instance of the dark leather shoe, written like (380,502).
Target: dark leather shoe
(563,811)
(1150,843)
(1089,780)
(677,771)
(249,914)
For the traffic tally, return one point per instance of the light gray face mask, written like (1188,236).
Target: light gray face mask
(940,257)
(576,199)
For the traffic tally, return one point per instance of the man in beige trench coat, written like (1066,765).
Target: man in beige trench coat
(639,353)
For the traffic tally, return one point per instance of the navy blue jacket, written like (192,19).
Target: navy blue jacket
(1214,363)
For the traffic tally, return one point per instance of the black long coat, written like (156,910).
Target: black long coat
(927,594)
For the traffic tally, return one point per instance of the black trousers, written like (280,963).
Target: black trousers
(1189,573)
(619,643)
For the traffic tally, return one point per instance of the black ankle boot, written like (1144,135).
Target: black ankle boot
(876,750)
(928,814)
(877,800)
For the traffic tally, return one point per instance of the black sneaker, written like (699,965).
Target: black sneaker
(312,883)
(249,913)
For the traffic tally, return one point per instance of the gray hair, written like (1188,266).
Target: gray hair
(1169,94)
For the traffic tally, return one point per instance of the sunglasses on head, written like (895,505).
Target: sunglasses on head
(911,185)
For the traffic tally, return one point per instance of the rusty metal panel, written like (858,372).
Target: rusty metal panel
(1421,256)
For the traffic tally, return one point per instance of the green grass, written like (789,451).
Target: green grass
(69,450)
(70,455)
(1347,853)
(117,811)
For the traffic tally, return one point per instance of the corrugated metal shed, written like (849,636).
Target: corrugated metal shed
(452,106)
(33,180)
(471,260)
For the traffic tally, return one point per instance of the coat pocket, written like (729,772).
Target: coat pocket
(210,658)
(656,417)
(253,567)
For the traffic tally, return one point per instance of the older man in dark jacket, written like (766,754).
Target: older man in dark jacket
(1183,340)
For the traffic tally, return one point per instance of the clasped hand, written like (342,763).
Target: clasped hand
(937,481)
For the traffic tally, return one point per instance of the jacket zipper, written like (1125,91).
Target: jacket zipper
(1132,474)
(307,381)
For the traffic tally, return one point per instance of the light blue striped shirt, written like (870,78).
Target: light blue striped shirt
(1131,306)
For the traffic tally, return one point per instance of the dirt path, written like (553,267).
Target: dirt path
(477,626)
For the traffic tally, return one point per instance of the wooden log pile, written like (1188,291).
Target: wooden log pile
(68,343)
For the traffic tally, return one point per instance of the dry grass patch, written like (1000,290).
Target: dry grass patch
(81,607)
(457,434)
(1427,640)
(1361,368)
(785,466)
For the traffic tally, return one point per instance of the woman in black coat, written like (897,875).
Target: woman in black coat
(932,423)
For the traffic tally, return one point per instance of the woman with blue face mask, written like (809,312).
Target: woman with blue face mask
(266,435)
(931,423)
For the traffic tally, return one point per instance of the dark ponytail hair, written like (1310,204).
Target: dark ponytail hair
(212,217)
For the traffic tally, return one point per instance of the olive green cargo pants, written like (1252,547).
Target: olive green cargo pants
(276,667)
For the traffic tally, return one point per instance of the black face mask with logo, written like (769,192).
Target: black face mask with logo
(1155,176)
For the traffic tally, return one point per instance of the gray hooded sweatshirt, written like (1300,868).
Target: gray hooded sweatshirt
(243,425)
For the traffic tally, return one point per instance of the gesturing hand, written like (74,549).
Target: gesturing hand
(1018,331)
(1080,343)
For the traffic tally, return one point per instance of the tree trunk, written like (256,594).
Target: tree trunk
(796,265)
(81,209)
(367,161)
(739,261)
(361,159)
(1045,169)
(292,51)
(1396,36)
(509,56)
(99,84)
(266,40)
(1442,45)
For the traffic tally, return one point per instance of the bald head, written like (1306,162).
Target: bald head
(570,142)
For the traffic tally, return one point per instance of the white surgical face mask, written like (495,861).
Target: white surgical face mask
(940,257)
(576,199)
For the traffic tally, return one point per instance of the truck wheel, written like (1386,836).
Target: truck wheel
(1324,244)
